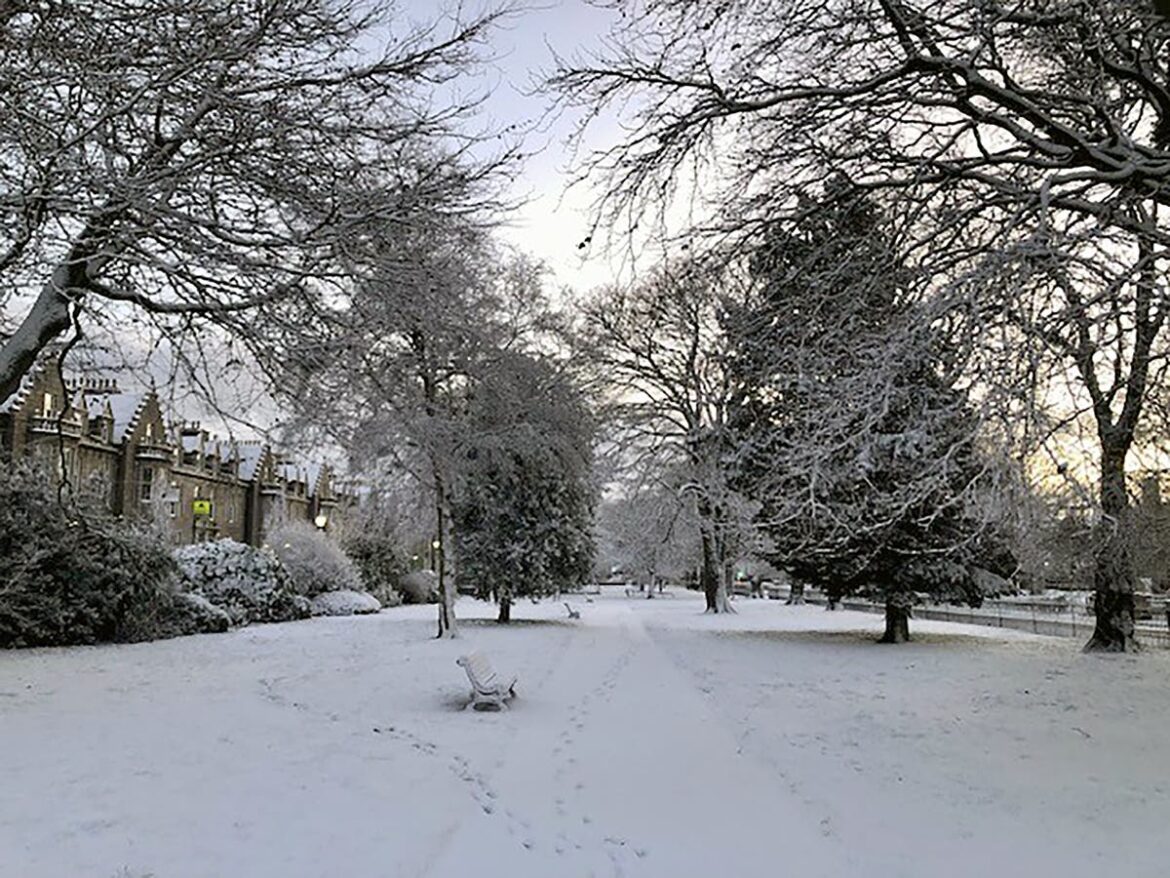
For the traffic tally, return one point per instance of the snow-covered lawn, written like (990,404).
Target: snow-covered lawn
(647,740)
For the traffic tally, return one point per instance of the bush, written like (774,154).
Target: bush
(315,563)
(344,603)
(69,574)
(370,540)
(249,584)
(195,614)
(419,587)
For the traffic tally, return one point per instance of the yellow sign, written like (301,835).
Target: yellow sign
(201,507)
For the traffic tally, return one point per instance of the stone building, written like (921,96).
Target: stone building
(116,447)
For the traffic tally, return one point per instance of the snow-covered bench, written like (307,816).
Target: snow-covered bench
(487,687)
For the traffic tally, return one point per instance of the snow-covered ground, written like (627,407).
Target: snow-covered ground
(647,740)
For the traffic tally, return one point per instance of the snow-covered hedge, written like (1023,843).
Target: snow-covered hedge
(344,603)
(315,563)
(249,584)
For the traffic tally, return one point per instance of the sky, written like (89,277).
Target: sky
(551,222)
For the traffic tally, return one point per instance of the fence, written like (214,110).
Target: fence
(1052,619)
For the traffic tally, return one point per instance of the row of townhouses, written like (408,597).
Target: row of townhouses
(116,446)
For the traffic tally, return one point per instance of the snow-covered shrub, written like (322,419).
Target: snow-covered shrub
(369,536)
(195,614)
(344,603)
(70,574)
(249,584)
(315,563)
(419,587)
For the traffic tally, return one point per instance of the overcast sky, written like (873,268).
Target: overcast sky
(552,223)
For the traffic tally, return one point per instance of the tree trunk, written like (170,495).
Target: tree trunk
(723,591)
(795,593)
(1113,575)
(48,318)
(448,625)
(709,572)
(897,620)
(505,610)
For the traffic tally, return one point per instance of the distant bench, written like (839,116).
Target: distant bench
(488,689)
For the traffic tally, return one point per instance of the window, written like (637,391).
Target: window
(47,405)
(149,429)
(144,487)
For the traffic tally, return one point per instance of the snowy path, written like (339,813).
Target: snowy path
(648,740)
(617,792)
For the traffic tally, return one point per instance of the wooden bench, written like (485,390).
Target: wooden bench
(488,689)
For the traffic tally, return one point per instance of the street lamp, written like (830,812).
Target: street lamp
(321,520)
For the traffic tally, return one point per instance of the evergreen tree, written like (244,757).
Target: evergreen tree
(524,498)
(847,424)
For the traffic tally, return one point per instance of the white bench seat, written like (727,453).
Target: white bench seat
(488,689)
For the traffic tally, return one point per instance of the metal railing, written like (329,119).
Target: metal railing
(1057,621)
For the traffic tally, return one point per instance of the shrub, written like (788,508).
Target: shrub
(195,614)
(344,603)
(370,539)
(70,574)
(251,585)
(315,563)
(419,587)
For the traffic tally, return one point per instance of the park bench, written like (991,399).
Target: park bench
(487,687)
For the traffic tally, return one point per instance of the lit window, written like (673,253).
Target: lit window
(47,406)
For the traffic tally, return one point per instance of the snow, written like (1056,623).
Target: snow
(125,408)
(250,455)
(646,740)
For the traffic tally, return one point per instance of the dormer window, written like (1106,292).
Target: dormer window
(149,429)
(47,405)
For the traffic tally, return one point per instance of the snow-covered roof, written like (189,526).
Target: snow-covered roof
(95,408)
(126,408)
(249,454)
(313,474)
(14,400)
(290,472)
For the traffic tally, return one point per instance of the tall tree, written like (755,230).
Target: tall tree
(657,348)
(865,458)
(389,371)
(524,498)
(649,532)
(209,159)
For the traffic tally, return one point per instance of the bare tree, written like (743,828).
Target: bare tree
(1091,303)
(210,159)
(650,532)
(657,350)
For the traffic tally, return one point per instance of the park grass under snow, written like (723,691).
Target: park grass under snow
(647,740)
